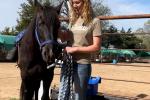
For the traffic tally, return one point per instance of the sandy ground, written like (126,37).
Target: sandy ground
(131,81)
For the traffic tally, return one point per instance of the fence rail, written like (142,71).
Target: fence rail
(130,49)
(127,33)
(124,17)
(138,16)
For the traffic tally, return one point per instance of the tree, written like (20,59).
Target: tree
(144,38)
(124,41)
(147,27)
(26,14)
(129,30)
(122,30)
(101,10)
(111,39)
(145,41)
(27,11)
(140,30)
(8,31)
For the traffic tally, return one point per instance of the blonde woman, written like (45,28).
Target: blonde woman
(86,38)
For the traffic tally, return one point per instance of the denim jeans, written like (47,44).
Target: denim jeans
(81,75)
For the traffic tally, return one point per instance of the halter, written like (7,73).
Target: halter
(41,44)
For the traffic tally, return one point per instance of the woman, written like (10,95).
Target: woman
(86,38)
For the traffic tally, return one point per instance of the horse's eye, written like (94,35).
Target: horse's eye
(41,23)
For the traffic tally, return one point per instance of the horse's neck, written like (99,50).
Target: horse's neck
(30,31)
(29,39)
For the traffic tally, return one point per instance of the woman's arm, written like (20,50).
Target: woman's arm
(92,48)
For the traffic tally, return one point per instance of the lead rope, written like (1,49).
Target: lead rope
(66,89)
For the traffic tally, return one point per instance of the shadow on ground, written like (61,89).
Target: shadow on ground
(97,97)
(112,97)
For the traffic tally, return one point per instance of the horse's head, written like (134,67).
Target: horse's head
(47,26)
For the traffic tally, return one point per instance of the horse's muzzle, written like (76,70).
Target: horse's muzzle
(47,54)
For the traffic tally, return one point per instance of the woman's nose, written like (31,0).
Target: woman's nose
(75,5)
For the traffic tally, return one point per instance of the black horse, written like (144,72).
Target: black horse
(36,50)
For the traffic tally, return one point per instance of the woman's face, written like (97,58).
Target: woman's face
(77,5)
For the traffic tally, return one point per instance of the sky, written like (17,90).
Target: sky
(9,12)
(129,7)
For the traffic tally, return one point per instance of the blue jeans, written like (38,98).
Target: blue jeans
(81,75)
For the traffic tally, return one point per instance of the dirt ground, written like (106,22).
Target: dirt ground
(127,80)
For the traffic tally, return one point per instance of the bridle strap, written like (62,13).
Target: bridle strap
(41,44)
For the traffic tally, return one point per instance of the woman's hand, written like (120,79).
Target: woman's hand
(71,49)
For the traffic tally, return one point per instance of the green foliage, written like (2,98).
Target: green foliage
(124,41)
(144,38)
(146,41)
(101,10)
(26,15)
(122,30)
(8,31)
(130,41)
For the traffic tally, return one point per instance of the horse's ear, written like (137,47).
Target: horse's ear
(37,5)
(58,8)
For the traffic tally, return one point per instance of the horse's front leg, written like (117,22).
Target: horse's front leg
(26,91)
(37,86)
(21,91)
(46,83)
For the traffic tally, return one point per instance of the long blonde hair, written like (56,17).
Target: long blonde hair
(87,12)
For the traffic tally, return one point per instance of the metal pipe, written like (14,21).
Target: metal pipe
(130,49)
(115,17)
(126,33)
(124,17)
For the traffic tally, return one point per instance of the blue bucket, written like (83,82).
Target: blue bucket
(93,85)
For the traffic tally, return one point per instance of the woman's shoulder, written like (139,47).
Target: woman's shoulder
(95,20)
